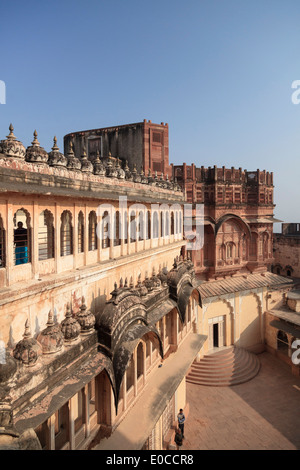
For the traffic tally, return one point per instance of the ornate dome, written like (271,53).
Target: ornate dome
(163,276)
(86,319)
(51,338)
(98,166)
(120,171)
(35,153)
(56,158)
(149,283)
(73,162)
(12,147)
(28,349)
(86,164)
(70,326)
(155,280)
(140,288)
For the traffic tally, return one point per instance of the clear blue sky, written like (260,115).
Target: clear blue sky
(219,72)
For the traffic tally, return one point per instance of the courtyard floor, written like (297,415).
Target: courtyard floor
(262,414)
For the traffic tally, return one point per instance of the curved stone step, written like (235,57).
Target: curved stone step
(220,361)
(224,372)
(230,366)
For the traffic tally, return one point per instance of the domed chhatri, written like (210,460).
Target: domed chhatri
(51,338)
(35,153)
(70,326)
(73,162)
(12,147)
(86,164)
(86,319)
(28,349)
(56,158)
(99,168)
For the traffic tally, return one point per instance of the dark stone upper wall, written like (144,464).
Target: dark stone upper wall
(125,142)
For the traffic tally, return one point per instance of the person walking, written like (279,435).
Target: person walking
(181,420)
(178,438)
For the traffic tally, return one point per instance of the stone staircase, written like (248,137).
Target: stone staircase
(222,368)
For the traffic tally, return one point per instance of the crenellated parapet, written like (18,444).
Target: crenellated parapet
(219,186)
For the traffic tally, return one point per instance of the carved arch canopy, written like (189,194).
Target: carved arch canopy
(122,354)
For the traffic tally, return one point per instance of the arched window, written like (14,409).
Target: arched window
(229,250)
(155,225)
(180,222)
(105,230)
(2,244)
(176,223)
(117,240)
(221,251)
(93,239)
(46,235)
(80,232)
(282,342)
(22,237)
(140,360)
(130,375)
(66,234)
(172,223)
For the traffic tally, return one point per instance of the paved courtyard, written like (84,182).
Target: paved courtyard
(263,414)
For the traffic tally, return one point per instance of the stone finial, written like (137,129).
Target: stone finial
(85,319)
(70,326)
(55,147)
(28,349)
(51,338)
(11,135)
(35,141)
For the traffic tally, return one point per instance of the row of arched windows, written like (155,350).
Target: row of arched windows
(106,230)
